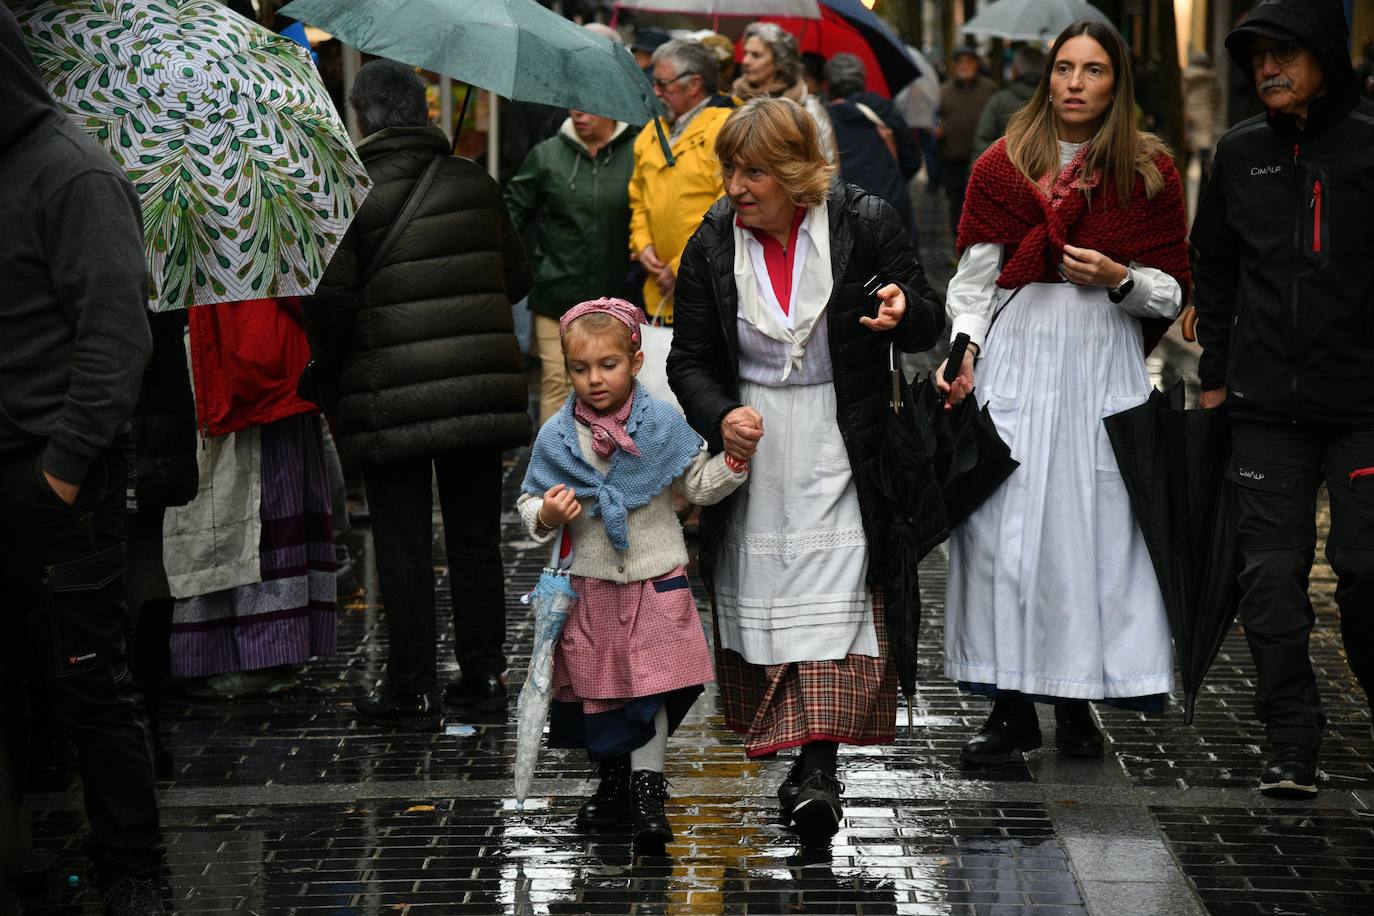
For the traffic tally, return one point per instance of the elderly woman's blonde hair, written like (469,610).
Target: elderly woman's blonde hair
(780,137)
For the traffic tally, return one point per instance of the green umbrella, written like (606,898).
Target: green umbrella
(515,48)
(245,173)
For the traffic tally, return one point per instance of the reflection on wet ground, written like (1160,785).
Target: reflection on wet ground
(291,805)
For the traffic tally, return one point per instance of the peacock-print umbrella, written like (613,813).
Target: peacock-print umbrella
(246,175)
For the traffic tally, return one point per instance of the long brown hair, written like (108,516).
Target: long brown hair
(1118,149)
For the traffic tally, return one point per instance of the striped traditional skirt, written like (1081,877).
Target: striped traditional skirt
(290,615)
(851,700)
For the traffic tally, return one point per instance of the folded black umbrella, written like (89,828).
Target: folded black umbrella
(907,480)
(969,458)
(1174,463)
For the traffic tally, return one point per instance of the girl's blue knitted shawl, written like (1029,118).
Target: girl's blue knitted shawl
(667,445)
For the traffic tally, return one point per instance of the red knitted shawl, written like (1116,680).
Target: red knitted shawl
(1004,208)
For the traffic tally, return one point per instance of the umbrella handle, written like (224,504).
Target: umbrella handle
(462,115)
(557,548)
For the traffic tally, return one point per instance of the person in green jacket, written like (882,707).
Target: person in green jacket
(576,184)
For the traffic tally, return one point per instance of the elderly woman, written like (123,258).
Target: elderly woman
(1073,243)
(772,66)
(779,356)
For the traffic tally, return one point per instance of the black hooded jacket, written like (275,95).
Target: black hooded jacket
(1284,284)
(74,332)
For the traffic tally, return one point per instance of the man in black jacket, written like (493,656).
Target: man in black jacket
(420,367)
(1284,289)
(73,299)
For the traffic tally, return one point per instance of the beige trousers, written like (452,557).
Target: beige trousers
(553,386)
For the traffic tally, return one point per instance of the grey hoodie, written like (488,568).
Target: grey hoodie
(74,335)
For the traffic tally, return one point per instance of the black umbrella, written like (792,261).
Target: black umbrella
(969,458)
(1174,463)
(907,481)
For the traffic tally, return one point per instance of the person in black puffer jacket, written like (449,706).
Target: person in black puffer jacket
(1284,289)
(780,355)
(419,363)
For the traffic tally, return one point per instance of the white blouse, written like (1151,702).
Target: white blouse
(972,296)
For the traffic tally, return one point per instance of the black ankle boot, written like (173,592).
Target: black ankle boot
(790,788)
(1075,732)
(650,790)
(611,803)
(1012,726)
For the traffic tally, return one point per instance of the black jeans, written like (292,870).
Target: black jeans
(954,179)
(1277,468)
(62,601)
(402,505)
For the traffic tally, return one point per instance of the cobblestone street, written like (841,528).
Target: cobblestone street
(289,804)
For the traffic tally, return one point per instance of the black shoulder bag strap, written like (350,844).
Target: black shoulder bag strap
(402,219)
(311,385)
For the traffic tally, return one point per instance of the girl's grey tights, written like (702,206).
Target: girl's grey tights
(651,755)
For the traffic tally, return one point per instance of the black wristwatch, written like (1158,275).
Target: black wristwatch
(1124,290)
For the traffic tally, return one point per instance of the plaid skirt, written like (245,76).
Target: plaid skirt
(852,700)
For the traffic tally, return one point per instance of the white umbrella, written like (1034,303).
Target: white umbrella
(552,598)
(804,9)
(1031,20)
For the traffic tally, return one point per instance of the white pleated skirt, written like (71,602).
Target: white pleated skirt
(1051,589)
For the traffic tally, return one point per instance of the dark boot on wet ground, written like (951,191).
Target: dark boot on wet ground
(1291,773)
(486,695)
(397,710)
(611,804)
(651,828)
(1012,726)
(1075,732)
(817,813)
(790,788)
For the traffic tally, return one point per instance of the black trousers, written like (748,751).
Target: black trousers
(401,501)
(62,603)
(954,179)
(1278,467)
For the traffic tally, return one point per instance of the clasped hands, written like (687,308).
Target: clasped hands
(660,270)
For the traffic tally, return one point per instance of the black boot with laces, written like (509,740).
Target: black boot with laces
(790,788)
(611,802)
(650,791)
(817,812)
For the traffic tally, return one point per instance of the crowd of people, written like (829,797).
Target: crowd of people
(158,531)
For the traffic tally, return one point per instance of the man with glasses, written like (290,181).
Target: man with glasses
(1284,290)
(667,202)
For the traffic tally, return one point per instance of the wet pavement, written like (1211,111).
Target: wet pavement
(289,804)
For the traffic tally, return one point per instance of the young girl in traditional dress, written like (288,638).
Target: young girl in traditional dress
(1073,239)
(633,657)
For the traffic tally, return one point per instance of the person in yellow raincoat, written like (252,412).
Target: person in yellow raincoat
(668,201)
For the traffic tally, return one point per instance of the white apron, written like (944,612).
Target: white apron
(1051,589)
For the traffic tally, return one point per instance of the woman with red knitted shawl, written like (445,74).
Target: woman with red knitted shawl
(1073,262)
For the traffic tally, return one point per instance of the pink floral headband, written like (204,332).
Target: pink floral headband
(627,313)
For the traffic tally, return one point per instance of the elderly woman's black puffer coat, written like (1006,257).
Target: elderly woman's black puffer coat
(424,357)
(866,239)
